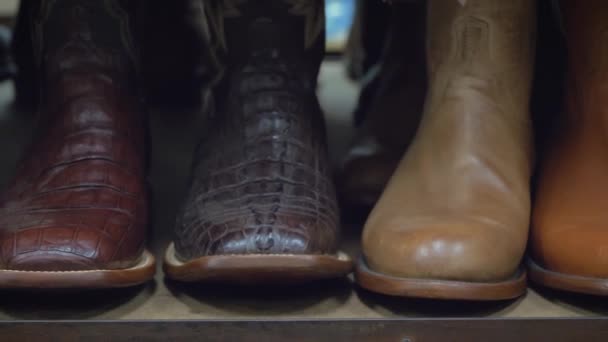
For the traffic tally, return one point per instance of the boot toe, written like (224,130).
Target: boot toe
(466,253)
(264,240)
(288,233)
(51,261)
(68,246)
(574,250)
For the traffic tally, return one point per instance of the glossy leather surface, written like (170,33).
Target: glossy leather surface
(261,179)
(569,228)
(78,200)
(458,205)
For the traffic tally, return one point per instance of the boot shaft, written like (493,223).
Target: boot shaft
(291,30)
(85,39)
(586,81)
(586,35)
(489,41)
(87,66)
(266,48)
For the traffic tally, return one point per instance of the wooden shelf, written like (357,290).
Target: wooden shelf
(401,330)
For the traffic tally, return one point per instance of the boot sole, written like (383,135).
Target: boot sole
(257,268)
(86,279)
(439,289)
(567,282)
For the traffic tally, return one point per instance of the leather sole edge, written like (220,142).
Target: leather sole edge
(567,282)
(85,279)
(257,268)
(381,283)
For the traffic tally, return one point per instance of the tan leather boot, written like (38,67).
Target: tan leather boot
(569,237)
(453,220)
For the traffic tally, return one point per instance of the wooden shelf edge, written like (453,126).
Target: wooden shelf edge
(400,330)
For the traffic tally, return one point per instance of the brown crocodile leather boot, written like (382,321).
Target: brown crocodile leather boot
(390,106)
(262,206)
(75,215)
(453,220)
(569,234)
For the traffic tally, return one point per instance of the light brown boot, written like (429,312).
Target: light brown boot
(453,220)
(569,236)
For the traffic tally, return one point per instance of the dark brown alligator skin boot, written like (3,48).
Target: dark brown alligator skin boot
(76,213)
(262,206)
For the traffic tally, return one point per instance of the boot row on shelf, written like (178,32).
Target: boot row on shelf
(452,207)
(445,155)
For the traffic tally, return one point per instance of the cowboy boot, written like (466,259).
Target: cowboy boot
(390,107)
(453,220)
(75,215)
(569,237)
(261,206)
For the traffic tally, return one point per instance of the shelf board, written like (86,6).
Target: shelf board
(397,330)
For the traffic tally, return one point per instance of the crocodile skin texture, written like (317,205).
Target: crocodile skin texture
(78,201)
(261,178)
